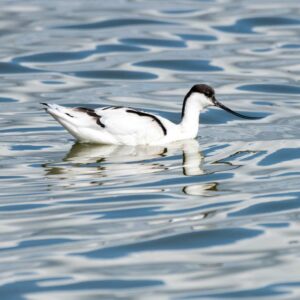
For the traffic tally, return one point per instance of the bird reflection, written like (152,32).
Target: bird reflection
(87,164)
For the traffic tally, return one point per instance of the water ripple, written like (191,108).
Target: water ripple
(7,100)
(247,25)
(281,155)
(114,74)
(113,23)
(51,57)
(12,68)
(204,238)
(268,208)
(198,37)
(181,65)
(155,42)
(271,88)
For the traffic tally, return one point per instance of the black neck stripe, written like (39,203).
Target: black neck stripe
(184,102)
(143,114)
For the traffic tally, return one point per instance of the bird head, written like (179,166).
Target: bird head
(205,95)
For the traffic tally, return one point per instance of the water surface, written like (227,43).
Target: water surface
(211,218)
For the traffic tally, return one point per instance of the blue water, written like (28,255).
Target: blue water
(213,218)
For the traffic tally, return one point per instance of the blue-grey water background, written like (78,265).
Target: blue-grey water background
(214,218)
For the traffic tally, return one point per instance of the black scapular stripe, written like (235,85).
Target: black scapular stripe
(92,113)
(143,114)
(100,123)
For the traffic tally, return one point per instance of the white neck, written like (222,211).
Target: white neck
(192,106)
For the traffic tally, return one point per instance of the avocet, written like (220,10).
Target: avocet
(127,126)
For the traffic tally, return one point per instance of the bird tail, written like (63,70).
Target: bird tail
(77,116)
(59,112)
(72,119)
(79,121)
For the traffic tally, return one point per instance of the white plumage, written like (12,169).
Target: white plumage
(127,126)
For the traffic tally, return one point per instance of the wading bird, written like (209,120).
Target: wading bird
(127,126)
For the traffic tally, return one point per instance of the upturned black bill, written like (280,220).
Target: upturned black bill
(219,104)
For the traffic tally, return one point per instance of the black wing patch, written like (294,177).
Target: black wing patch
(154,118)
(91,113)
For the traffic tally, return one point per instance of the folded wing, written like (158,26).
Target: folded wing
(129,123)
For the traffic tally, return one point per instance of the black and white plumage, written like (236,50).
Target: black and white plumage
(127,126)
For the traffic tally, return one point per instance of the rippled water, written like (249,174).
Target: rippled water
(213,218)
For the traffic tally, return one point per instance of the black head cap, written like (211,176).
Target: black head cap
(203,89)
